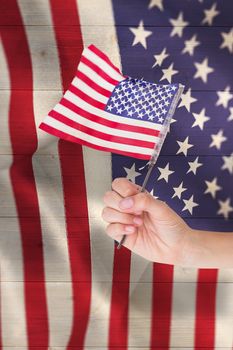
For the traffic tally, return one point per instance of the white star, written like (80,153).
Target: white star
(171,122)
(140,35)
(158,3)
(231,114)
(179,190)
(160,58)
(152,193)
(227,40)
(131,173)
(225,208)
(189,204)
(190,45)
(193,166)
(228,163)
(184,146)
(210,14)
(217,139)
(165,173)
(187,100)
(224,97)
(178,25)
(168,73)
(200,119)
(203,70)
(212,187)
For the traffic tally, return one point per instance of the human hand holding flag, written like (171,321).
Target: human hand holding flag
(108,111)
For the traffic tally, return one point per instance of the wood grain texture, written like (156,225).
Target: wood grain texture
(45,162)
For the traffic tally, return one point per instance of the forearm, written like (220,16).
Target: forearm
(206,249)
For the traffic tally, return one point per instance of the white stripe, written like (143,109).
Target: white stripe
(102,128)
(109,116)
(96,78)
(94,140)
(224,310)
(103,64)
(97,183)
(89,91)
(12,301)
(183,307)
(46,167)
(140,302)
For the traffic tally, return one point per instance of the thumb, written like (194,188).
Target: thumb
(146,202)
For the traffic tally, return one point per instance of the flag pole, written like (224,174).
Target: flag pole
(158,146)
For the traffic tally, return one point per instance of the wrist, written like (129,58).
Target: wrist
(193,249)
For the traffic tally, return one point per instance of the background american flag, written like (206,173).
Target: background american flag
(63,283)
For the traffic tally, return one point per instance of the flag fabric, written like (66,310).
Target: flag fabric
(63,283)
(107,111)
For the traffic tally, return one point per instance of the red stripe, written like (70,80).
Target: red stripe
(104,57)
(68,137)
(92,84)
(98,134)
(24,144)
(99,71)
(70,46)
(86,97)
(107,122)
(205,309)
(118,323)
(162,305)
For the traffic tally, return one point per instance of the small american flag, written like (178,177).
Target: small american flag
(106,110)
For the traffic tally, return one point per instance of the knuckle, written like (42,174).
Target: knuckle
(105,213)
(107,196)
(117,182)
(144,199)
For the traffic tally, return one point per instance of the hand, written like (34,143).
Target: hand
(154,231)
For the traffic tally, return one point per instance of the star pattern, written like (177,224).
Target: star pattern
(212,187)
(195,167)
(218,139)
(200,119)
(131,173)
(165,173)
(190,45)
(184,146)
(178,25)
(140,35)
(160,58)
(156,3)
(187,100)
(225,208)
(189,204)
(203,70)
(168,73)
(179,190)
(227,41)
(210,15)
(224,97)
(138,99)
(228,163)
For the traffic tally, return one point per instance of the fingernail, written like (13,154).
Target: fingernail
(129,228)
(137,220)
(126,203)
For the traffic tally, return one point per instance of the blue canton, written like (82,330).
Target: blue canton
(139,99)
(191,43)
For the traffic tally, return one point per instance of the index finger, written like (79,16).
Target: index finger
(124,187)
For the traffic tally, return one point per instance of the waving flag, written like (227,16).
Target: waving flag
(63,283)
(107,111)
